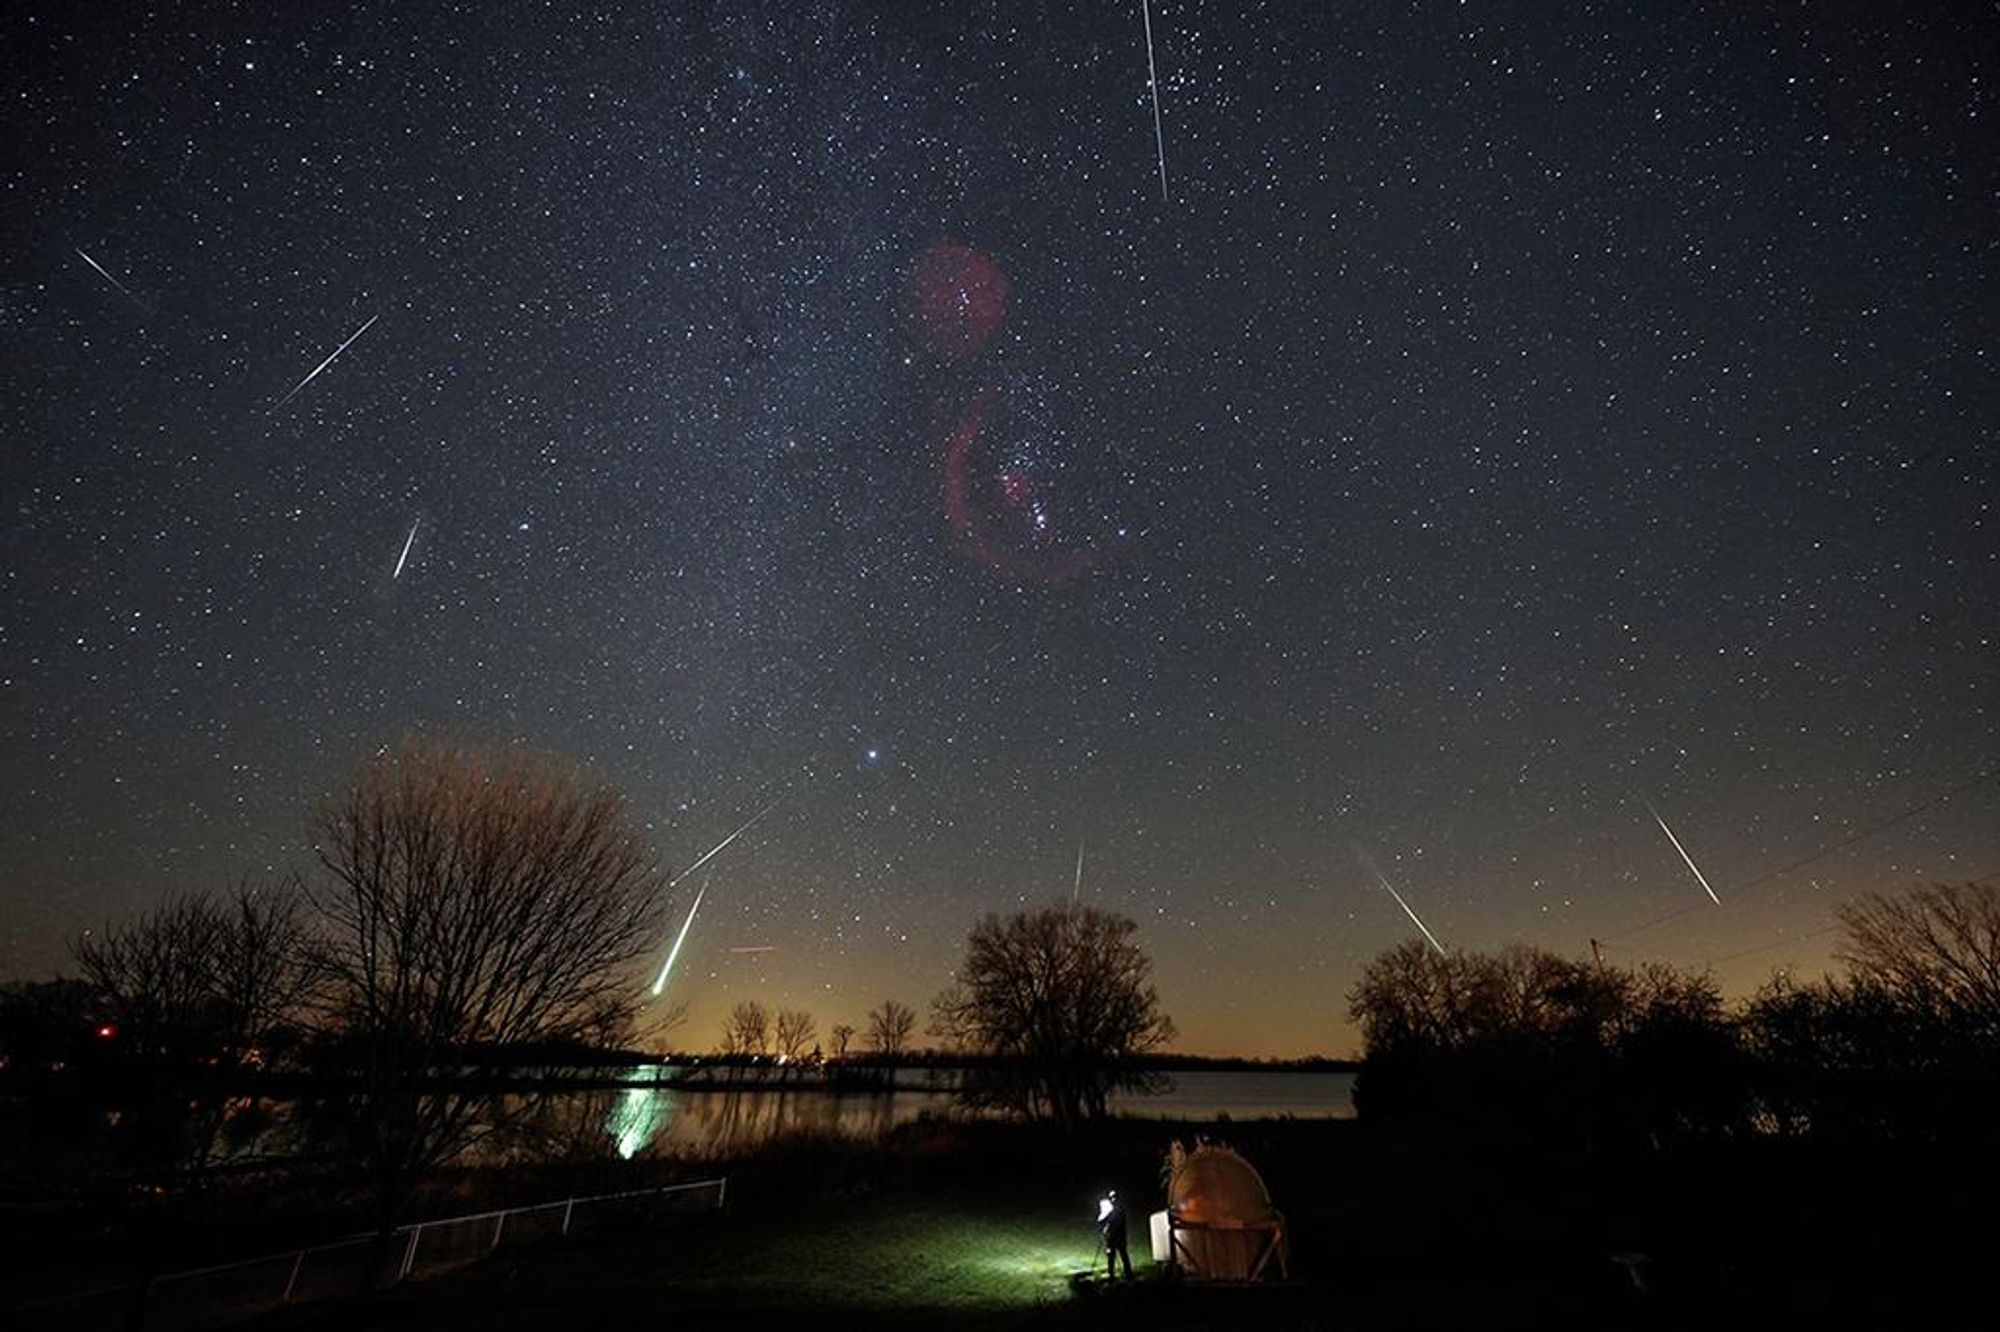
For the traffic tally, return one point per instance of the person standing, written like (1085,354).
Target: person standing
(1111,1225)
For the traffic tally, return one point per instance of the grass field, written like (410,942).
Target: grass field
(960,1250)
(989,1255)
(992,1229)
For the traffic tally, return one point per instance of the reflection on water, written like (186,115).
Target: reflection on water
(678,1121)
(636,1117)
(1245,1094)
(591,1123)
(718,1121)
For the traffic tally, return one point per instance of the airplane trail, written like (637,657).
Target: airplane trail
(660,982)
(1384,881)
(404,558)
(327,362)
(1695,869)
(112,280)
(1153,82)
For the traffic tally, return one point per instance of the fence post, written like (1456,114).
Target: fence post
(139,1295)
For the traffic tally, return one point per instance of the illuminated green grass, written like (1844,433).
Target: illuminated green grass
(980,1258)
(967,1252)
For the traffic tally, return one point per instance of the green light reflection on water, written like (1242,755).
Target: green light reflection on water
(638,1115)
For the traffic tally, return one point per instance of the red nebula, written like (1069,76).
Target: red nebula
(958,299)
(993,517)
(998,510)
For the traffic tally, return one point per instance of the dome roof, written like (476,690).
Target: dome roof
(1213,1185)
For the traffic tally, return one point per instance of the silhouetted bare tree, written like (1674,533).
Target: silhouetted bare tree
(843,1036)
(477,897)
(1836,1058)
(198,987)
(889,1028)
(1555,1044)
(1059,998)
(747,1030)
(155,972)
(1414,997)
(795,1032)
(1937,949)
(1904,1044)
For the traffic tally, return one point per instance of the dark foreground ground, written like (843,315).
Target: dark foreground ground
(990,1227)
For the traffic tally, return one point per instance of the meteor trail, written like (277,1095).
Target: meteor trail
(1076,892)
(1384,881)
(760,948)
(660,983)
(1153,82)
(323,364)
(717,848)
(1684,855)
(112,280)
(403,559)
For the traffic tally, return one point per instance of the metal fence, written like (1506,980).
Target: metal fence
(211,1297)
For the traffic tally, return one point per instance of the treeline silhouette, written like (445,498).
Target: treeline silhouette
(472,903)
(1901,1043)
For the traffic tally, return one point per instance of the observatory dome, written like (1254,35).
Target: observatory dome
(1214,1186)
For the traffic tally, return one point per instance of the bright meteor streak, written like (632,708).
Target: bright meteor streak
(660,983)
(323,364)
(1383,880)
(404,558)
(108,278)
(1153,82)
(1692,867)
(717,848)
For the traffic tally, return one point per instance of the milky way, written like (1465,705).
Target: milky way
(1506,413)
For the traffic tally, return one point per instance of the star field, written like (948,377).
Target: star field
(1511,417)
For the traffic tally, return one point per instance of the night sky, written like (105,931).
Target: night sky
(1509,416)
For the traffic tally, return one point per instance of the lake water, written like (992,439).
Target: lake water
(664,1120)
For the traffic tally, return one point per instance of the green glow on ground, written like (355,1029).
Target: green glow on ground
(998,1258)
(969,1252)
(1035,1263)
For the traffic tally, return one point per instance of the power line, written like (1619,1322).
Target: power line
(1776,943)
(1598,944)
(1865,833)
(1817,856)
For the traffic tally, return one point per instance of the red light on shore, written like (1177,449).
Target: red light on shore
(107,1031)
